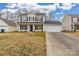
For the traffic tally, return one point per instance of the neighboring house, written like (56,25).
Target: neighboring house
(37,22)
(70,23)
(7,25)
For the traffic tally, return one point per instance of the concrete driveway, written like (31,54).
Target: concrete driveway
(59,44)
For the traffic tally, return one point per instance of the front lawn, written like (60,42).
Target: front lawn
(23,43)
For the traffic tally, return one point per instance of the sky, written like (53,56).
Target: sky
(56,9)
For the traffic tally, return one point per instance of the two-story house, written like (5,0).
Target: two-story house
(70,23)
(31,22)
(37,22)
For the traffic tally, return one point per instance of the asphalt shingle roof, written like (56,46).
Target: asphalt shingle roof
(32,13)
(9,22)
(53,22)
(73,15)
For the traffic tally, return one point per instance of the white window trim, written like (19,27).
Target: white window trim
(75,20)
(23,29)
(38,29)
(31,19)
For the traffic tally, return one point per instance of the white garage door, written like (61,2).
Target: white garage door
(53,28)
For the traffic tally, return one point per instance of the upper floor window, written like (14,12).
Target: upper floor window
(74,20)
(31,18)
(24,18)
(38,18)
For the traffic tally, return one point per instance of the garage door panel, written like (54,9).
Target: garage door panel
(52,28)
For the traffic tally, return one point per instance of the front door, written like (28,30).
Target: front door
(31,27)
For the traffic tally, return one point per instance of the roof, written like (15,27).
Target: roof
(9,22)
(32,13)
(73,15)
(53,22)
(39,13)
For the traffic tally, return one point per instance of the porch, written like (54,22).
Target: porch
(32,27)
(75,27)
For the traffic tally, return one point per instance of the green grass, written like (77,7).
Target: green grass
(23,44)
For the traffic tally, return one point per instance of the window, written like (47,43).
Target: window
(23,27)
(74,20)
(31,18)
(39,18)
(23,18)
(26,18)
(38,27)
(20,18)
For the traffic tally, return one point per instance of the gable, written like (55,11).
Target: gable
(30,14)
